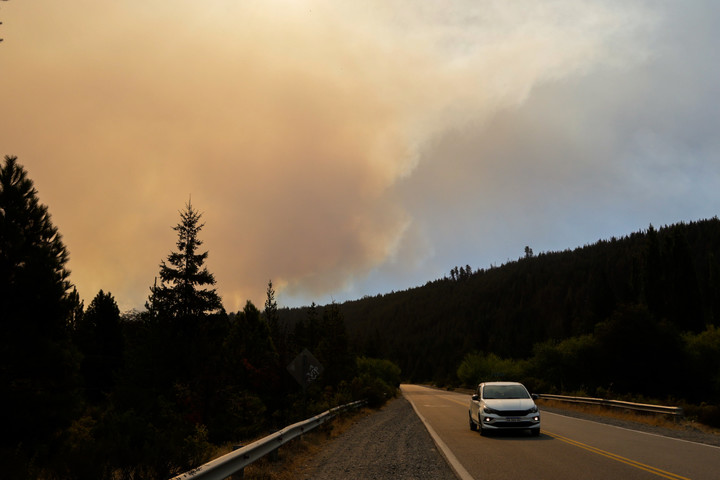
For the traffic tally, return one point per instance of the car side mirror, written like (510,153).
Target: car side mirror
(475,396)
(535,396)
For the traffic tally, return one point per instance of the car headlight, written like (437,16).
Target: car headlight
(534,409)
(489,410)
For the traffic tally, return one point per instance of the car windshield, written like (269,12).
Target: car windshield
(504,391)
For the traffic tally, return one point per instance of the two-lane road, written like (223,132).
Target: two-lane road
(567,448)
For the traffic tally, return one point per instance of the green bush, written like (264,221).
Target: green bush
(385,370)
(478,367)
(372,389)
(377,381)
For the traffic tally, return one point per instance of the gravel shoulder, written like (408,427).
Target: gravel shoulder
(392,443)
(389,444)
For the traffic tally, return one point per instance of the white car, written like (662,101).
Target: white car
(503,406)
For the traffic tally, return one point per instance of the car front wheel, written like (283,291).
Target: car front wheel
(473,425)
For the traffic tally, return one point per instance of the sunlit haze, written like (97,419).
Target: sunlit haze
(343,149)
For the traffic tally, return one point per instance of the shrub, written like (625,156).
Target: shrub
(377,381)
(477,367)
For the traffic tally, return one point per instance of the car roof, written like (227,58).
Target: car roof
(501,383)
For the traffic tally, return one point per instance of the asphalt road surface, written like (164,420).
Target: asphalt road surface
(567,448)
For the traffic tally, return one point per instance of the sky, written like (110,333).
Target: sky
(344,149)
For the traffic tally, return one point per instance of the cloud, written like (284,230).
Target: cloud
(584,157)
(313,135)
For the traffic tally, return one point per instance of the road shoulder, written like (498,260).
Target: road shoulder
(390,444)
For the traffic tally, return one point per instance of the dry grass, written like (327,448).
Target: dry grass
(295,455)
(657,420)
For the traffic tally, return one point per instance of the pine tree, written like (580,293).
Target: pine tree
(39,364)
(100,339)
(307,332)
(271,314)
(333,348)
(176,373)
(180,293)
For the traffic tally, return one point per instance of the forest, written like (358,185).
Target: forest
(90,392)
(632,317)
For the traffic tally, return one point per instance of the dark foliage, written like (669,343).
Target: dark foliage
(616,308)
(333,348)
(99,337)
(95,394)
(38,363)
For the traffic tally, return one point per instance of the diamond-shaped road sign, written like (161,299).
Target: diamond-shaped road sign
(305,368)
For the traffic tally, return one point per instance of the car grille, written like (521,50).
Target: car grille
(514,413)
(501,424)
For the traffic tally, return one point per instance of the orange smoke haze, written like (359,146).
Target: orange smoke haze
(290,124)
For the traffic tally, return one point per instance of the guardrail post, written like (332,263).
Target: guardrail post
(240,474)
(679,415)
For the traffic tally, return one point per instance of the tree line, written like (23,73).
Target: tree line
(96,393)
(637,316)
(92,393)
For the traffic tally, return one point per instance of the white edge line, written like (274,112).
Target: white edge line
(545,412)
(630,429)
(452,460)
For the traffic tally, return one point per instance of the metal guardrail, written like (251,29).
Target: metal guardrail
(677,412)
(234,462)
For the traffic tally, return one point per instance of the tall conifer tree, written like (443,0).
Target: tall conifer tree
(38,363)
(180,293)
(271,313)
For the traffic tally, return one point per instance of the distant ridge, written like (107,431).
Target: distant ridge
(673,271)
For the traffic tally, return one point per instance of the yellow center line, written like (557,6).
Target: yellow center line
(633,463)
(613,456)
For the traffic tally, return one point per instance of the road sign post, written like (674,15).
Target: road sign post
(305,369)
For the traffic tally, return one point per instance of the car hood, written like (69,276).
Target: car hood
(510,403)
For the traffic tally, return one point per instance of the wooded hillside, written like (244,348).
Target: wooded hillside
(646,306)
